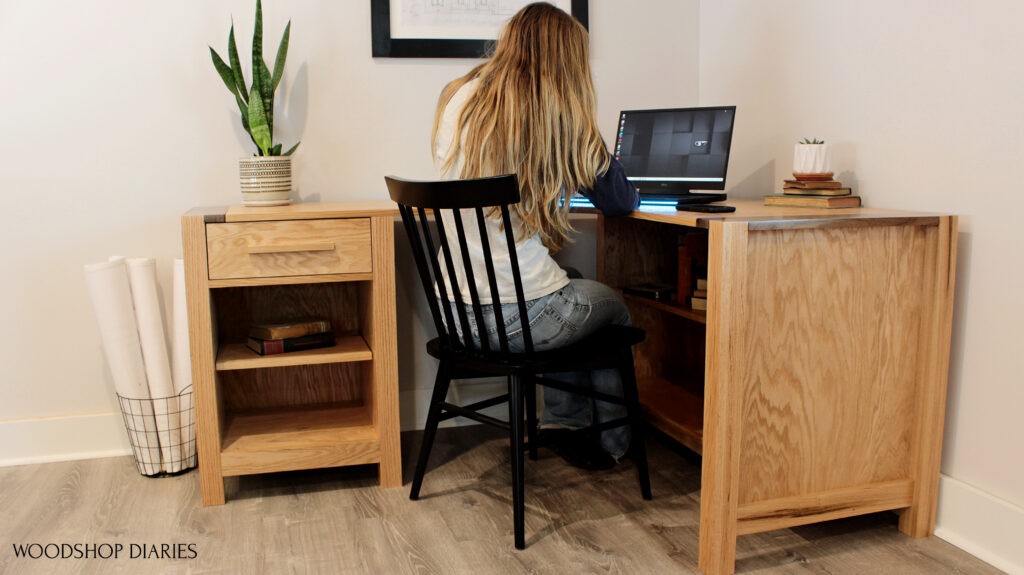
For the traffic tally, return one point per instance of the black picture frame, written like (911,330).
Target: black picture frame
(384,46)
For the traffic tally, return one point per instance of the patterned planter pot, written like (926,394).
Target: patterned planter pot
(266,180)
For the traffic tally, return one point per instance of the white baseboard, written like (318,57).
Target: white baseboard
(48,439)
(981,524)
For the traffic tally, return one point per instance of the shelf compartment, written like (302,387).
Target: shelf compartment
(232,356)
(674,409)
(301,438)
(672,307)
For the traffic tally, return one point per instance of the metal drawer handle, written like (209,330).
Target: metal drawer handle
(314,247)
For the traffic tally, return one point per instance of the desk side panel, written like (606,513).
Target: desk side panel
(202,347)
(833,357)
(937,325)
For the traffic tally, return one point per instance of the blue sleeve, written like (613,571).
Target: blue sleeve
(613,194)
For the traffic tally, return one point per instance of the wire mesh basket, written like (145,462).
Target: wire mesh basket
(162,433)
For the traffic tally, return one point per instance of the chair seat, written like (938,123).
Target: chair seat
(597,351)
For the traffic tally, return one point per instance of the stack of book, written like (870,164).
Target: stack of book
(270,339)
(699,299)
(826,193)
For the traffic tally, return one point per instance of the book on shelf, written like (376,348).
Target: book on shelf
(700,293)
(297,328)
(812,201)
(276,346)
(692,263)
(812,184)
(700,303)
(702,283)
(817,191)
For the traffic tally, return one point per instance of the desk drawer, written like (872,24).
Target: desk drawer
(288,248)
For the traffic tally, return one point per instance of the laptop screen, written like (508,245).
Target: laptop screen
(669,153)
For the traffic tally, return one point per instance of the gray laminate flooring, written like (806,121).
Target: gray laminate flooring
(339,521)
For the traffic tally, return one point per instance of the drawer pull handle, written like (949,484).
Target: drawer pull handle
(315,247)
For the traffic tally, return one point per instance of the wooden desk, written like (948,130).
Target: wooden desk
(307,409)
(814,386)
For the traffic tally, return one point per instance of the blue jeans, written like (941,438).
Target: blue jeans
(559,319)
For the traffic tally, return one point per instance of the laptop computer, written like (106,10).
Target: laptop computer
(674,156)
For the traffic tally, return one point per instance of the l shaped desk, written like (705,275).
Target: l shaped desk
(814,385)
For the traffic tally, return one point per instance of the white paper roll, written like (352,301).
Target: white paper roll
(181,366)
(146,299)
(110,292)
(181,355)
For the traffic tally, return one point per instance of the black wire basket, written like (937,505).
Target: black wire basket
(162,433)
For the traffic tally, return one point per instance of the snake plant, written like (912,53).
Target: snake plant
(255,103)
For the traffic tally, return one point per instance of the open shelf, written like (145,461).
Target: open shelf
(299,438)
(675,410)
(672,307)
(346,349)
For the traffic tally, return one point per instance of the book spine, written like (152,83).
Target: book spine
(276,346)
(290,331)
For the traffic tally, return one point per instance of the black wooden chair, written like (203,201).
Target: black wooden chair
(462,357)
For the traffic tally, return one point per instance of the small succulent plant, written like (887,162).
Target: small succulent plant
(811,141)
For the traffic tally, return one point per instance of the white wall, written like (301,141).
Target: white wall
(921,100)
(114,123)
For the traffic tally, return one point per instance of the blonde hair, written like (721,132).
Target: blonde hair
(533,114)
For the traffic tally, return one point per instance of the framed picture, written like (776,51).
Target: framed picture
(446,28)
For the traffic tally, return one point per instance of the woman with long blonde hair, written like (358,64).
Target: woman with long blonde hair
(530,110)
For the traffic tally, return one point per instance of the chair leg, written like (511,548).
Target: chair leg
(515,427)
(636,424)
(437,398)
(530,392)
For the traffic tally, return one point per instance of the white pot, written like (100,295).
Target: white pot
(266,180)
(811,159)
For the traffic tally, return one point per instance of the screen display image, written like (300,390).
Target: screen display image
(669,153)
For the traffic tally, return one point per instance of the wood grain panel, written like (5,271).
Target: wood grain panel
(832,352)
(823,506)
(384,343)
(761,217)
(288,248)
(285,440)
(298,385)
(240,308)
(933,376)
(291,280)
(312,211)
(673,349)
(729,317)
(675,410)
(202,345)
(636,251)
(346,349)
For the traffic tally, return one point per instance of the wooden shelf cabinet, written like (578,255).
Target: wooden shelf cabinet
(814,386)
(316,408)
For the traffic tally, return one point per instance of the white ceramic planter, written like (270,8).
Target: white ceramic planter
(266,180)
(811,160)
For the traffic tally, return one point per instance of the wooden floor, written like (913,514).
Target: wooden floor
(338,521)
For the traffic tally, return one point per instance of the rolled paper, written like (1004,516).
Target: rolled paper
(110,292)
